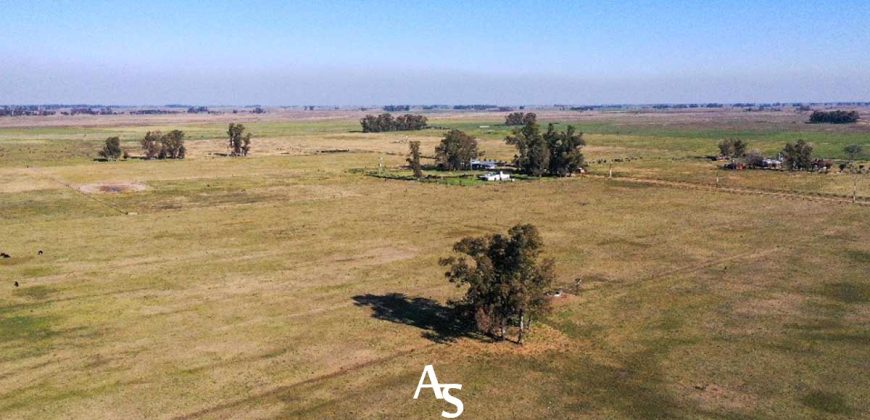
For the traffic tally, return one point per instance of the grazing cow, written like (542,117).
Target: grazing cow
(39,253)
(16,284)
(5,255)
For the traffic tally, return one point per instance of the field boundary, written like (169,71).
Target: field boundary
(39,172)
(685,185)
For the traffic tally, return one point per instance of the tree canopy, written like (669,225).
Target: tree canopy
(239,141)
(112,149)
(386,122)
(456,151)
(733,148)
(798,156)
(519,118)
(555,153)
(414,158)
(507,284)
(834,117)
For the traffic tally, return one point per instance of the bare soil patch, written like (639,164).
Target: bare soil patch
(112,187)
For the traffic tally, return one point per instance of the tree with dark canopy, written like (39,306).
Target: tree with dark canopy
(834,117)
(555,153)
(507,285)
(798,156)
(239,141)
(456,151)
(414,159)
(519,118)
(172,145)
(386,122)
(112,149)
(564,147)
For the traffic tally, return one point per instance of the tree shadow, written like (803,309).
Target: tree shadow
(441,323)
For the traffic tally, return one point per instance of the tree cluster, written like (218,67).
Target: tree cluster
(157,145)
(386,122)
(834,117)
(519,118)
(507,285)
(239,141)
(456,151)
(732,148)
(555,153)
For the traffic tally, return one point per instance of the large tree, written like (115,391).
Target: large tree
(151,144)
(519,118)
(112,149)
(564,147)
(414,158)
(507,284)
(239,141)
(456,151)
(798,156)
(555,153)
(172,145)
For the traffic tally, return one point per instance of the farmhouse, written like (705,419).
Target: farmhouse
(495,176)
(483,165)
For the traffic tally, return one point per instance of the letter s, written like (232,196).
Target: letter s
(445,390)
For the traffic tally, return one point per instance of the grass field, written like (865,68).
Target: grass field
(292,284)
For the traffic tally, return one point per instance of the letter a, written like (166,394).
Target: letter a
(433,382)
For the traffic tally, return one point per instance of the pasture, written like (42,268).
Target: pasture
(289,283)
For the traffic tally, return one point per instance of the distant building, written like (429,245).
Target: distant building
(483,165)
(496,176)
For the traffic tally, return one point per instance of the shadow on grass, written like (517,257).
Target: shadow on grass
(441,323)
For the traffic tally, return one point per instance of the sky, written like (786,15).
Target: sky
(433,52)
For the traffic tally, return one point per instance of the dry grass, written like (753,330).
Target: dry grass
(290,285)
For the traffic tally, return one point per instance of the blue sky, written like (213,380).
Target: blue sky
(376,52)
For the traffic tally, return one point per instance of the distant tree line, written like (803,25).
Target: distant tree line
(476,107)
(197,110)
(386,122)
(519,118)
(397,108)
(834,117)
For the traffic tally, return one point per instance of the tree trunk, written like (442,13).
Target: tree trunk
(522,327)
